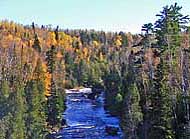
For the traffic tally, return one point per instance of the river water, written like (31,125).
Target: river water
(87,118)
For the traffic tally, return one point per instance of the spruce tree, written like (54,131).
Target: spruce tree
(35,90)
(53,114)
(133,114)
(53,105)
(18,123)
(51,59)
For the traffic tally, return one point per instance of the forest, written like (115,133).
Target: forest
(145,77)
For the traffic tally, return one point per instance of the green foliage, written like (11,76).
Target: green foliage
(18,123)
(55,102)
(35,111)
(53,115)
(124,39)
(4,92)
(51,59)
(161,114)
(148,28)
(5,89)
(69,71)
(5,123)
(135,99)
(169,17)
(146,78)
(119,98)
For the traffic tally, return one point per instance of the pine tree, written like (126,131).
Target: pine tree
(167,29)
(18,123)
(35,90)
(53,104)
(51,59)
(160,113)
(53,107)
(133,114)
(57,33)
(82,73)
(4,92)
(5,115)
(145,80)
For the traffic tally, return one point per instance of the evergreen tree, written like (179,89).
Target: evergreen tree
(18,123)
(124,39)
(145,80)
(160,113)
(51,59)
(57,33)
(4,92)
(5,111)
(53,107)
(35,90)
(69,71)
(53,103)
(133,114)
(167,29)
(36,44)
(82,73)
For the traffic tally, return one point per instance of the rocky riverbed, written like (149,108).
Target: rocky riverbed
(87,119)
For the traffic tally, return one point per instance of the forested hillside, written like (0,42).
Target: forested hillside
(145,76)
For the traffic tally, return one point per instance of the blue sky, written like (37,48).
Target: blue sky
(108,15)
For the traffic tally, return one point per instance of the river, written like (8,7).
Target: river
(87,119)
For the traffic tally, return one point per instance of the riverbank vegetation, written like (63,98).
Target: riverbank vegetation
(145,76)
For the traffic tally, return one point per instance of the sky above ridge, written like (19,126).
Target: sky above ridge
(107,15)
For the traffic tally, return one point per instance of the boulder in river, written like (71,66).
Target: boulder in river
(92,96)
(63,122)
(94,93)
(111,130)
